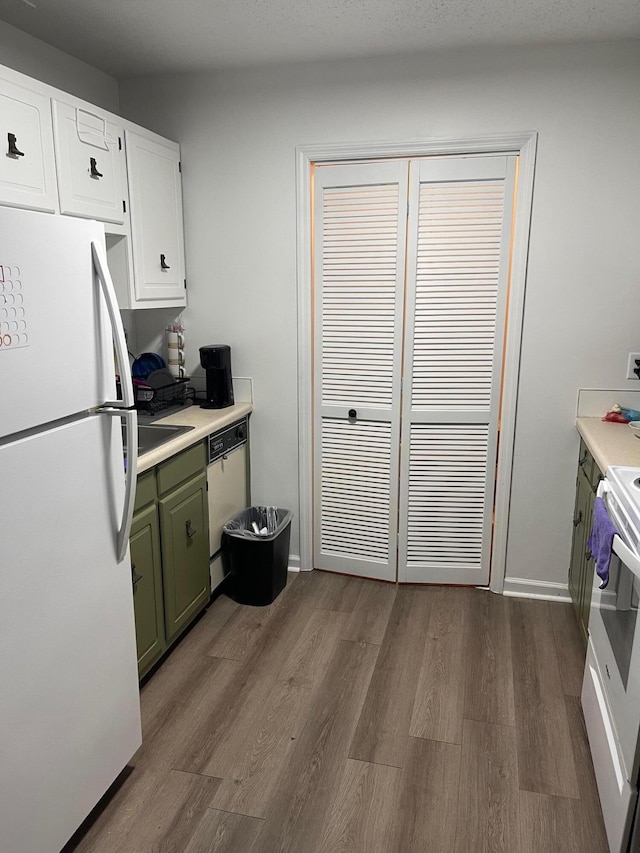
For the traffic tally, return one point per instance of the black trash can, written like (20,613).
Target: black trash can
(255,553)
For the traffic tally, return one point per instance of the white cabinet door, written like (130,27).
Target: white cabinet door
(27,167)
(91,164)
(155,191)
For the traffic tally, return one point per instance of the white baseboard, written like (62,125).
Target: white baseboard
(527,588)
(294,563)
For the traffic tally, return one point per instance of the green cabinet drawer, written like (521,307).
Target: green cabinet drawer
(185,553)
(146,491)
(181,467)
(146,570)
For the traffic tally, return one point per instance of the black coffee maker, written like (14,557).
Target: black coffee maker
(216,360)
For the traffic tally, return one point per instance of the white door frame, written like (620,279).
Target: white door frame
(522,144)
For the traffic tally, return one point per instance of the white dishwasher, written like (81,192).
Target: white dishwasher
(227,486)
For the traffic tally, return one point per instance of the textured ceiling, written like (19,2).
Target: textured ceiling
(128,37)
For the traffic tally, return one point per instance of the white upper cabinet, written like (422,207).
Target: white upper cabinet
(27,167)
(91,164)
(155,191)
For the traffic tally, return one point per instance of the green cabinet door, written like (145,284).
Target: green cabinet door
(581,523)
(185,553)
(588,573)
(146,570)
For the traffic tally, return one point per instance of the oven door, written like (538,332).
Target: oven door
(611,691)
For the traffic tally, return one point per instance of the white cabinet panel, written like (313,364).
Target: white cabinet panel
(27,167)
(155,190)
(91,164)
(227,492)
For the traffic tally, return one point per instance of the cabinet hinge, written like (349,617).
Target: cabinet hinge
(407,210)
(179,166)
(119,144)
(185,284)
(124,206)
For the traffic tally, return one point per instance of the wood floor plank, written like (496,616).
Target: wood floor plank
(370,615)
(254,766)
(244,629)
(338,592)
(331,591)
(570,647)
(584,768)
(175,691)
(172,814)
(149,813)
(549,824)
(298,810)
(489,673)
(223,832)
(218,738)
(428,798)
(361,817)
(545,755)
(383,728)
(488,794)
(439,698)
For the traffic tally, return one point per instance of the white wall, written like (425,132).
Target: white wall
(239,131)
(31,56)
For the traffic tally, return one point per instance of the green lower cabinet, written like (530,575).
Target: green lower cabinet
(185,553)
(146,570)
(581,568)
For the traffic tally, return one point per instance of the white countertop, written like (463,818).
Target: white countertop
(609,443)
(204,421)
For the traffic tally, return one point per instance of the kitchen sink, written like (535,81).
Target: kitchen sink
(151,436)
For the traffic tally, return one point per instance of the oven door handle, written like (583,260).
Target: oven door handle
(626,555)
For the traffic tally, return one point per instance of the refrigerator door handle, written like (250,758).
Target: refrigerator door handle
(119,340)
(130,417)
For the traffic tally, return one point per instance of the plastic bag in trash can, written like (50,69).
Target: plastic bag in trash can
(258,522)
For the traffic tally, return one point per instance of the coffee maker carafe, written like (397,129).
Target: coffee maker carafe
(216,360)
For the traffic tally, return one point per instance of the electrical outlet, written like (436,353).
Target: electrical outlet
(631,365)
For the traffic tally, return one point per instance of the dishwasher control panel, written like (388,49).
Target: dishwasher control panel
(225,440)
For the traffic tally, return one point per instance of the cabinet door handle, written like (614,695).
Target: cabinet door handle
(94,168)
(576,521)
(13,148)
(135,577)
(190,530)
(163,264)
(583,460)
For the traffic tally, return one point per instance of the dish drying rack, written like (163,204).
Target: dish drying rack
(155,400)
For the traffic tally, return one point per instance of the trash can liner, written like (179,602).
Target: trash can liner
(269,518)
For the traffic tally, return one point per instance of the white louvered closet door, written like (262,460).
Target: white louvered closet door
(457,281)
(359,265)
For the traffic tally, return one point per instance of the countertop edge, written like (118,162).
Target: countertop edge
(203,421)
(609,443)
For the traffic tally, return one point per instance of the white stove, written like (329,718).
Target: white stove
(611,687)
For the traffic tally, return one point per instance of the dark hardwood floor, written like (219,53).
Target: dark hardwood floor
(353,716)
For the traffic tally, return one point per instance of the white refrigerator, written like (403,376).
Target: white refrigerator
(69,699)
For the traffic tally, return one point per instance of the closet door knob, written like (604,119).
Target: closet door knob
(353,414)
(94,168)
(163,264)
(13,148)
